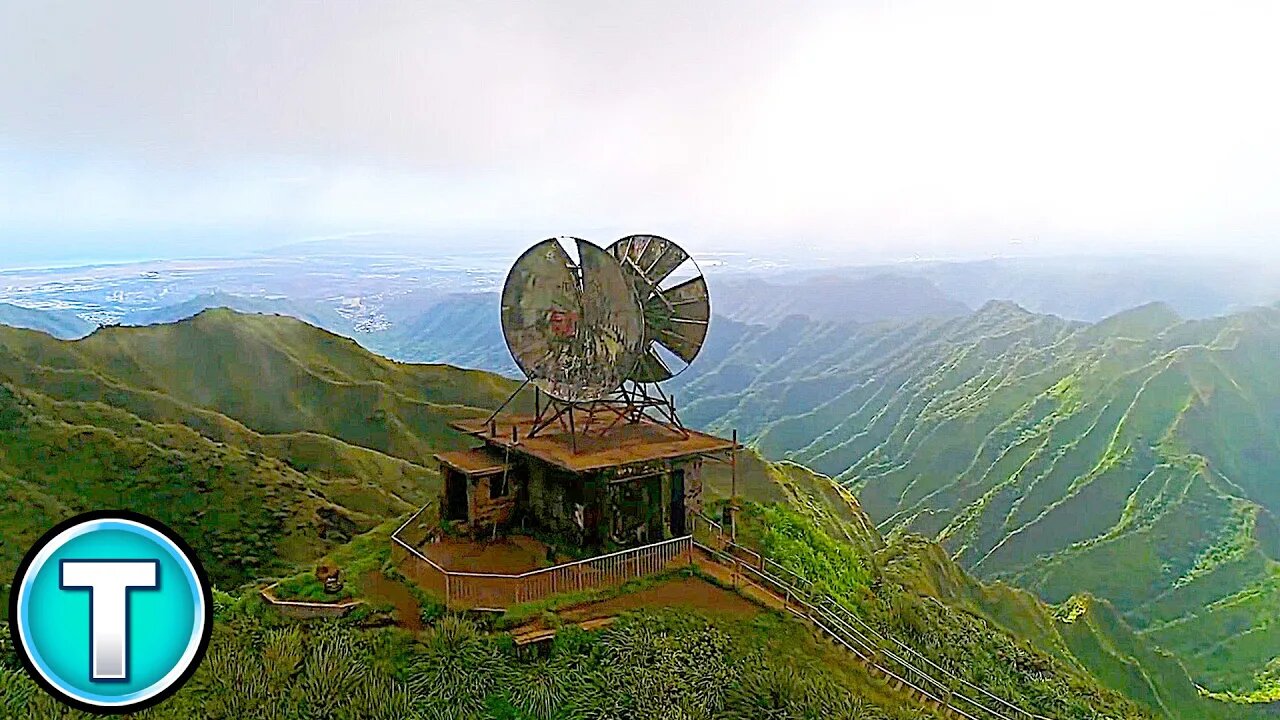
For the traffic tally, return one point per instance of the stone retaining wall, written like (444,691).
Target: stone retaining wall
(308,610)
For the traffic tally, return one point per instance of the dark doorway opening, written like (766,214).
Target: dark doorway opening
(455,496)
(653,509)
(677,503)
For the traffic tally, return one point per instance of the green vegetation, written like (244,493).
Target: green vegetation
(266,442)
(1268,684)
(965,644)
(273,446)
(1132,460)
(647,665)
(836,568)
(368,553)
(546,608)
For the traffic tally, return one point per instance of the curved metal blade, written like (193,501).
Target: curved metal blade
(677,317)
(684,339)
(612,329)
(651,369)
(542,282)
(576,332)
(649,259)
(690,300)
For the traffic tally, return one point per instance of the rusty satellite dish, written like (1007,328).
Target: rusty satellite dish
(676,306)
(575,329)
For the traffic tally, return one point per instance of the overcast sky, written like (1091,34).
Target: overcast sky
(872,130)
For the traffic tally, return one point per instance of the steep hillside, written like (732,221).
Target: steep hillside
(462,329)
(1133,460)
(267,441)
(274,375)
(742,668)
(270,443)
(915,577)
(251,505)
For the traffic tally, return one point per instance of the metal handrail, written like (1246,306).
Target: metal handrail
(633,551)
(412,517)
(821,609)
(541,571)
(831,602)
(838,615)
(418,554)
(516,588)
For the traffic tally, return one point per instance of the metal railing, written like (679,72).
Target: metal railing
(499,591)
(892,658)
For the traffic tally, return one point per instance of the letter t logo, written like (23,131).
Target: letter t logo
(109,583)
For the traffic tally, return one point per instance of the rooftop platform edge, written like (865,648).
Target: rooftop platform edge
(475,461)
(624,444)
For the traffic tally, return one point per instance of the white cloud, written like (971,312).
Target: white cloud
(893,129)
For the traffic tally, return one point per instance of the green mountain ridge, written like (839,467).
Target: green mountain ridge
(248,406)
(1133,459)
(270,443)
(462,327)
(313,313)
(1084,633)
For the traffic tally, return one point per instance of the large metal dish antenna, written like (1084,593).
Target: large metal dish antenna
(575,329)
(677,307)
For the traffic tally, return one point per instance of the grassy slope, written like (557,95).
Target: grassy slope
(1084,634)
(1133,460)
(649,666)
(272,374)
(709,666)
(250,513)
(265,441)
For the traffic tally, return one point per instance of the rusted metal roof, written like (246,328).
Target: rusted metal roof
(476,461)
(629,443)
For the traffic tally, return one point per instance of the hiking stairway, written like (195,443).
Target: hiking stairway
(769,583)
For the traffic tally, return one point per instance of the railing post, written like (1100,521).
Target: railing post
(733,495)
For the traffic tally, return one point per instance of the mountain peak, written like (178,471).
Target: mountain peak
(1002,308)
(1141,322)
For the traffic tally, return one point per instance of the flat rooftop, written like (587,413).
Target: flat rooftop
(472,462)
(624,444)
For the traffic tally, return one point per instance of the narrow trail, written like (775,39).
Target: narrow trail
(768,585)
(906,670)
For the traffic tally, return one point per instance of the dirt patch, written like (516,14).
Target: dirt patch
(380,589)
(512,554)
(689,593)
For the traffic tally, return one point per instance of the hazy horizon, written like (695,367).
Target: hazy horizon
(37,258)
(866,134)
